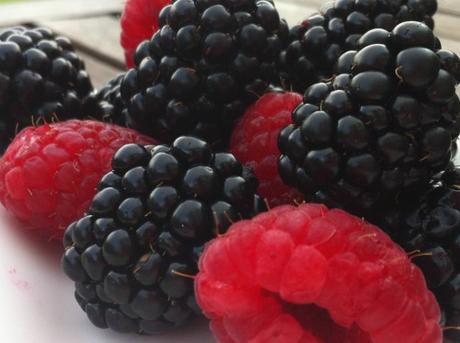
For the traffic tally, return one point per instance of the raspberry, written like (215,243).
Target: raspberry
(49,174)
(309,274)
(138,23)
(254,143)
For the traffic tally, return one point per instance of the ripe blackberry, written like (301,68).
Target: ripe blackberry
(389,125)
(42,79)
(427,225)
(131,254)
(316,44)
(206,63)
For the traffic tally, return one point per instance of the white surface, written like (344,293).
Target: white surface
(37,303)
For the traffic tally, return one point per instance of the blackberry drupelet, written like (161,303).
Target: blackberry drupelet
(427,226)
(316,44)
(131,255)
(201,69)
(387,126)
(108,105)
(42,79)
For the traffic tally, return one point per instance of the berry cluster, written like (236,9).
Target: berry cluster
(199,71)
(388,122)
(374,140)
(42,79)
(317,43)
(177,229)
(130,256)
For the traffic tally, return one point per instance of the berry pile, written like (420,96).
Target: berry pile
(42,80)
(316,44)
(374,139)
(310,274)
(388,122)
(49,174)
(150,241)
(202,68)
(131,255)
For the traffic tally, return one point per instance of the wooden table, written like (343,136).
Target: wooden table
(94,26)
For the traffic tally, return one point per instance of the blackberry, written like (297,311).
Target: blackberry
(388,124)
(108,105)
(316,44)
(130,256)
(200,70)
(427,225)
(42,79)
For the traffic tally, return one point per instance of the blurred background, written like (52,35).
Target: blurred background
(94,28)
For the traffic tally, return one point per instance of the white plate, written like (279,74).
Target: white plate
(37,303)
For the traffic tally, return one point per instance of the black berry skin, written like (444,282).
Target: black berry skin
(133,255)
(199,72)
(108,105)
(383,126)
(316,44)
(427,225)
(42,80)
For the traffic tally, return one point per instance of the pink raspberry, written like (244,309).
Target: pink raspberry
(309,274)
(49,174)
(254,143)
(139,21)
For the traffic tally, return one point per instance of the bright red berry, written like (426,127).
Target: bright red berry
(254,143)
(309,274)
(139,21)
(49,174)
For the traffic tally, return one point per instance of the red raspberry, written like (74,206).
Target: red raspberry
(49,174)
(139,21)
(255,143)
(309,274)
